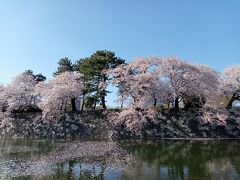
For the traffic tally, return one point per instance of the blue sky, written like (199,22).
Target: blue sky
(36,34)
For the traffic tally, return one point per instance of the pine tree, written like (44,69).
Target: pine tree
(94,70)
(65,64)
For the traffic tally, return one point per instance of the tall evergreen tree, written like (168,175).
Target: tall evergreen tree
(64,65)
(93,68)
(37,77)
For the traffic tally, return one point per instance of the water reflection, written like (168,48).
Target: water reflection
(187,159)
(124,160)
(23,147)
(76,170)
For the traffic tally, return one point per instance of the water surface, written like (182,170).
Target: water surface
(165,159)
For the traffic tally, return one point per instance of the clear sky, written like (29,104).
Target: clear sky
(36,34)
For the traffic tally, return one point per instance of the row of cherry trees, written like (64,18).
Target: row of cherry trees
(24,93)
(169,81)
(143,83)
(152,81)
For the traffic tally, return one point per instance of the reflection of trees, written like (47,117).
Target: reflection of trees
(110,164)
(187,159)
(236,162)
(77,169)
(129,160)
(164,160)
(23,147)
(11,149)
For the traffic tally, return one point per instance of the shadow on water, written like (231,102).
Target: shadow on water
(166,159)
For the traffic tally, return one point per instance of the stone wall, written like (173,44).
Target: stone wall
(69,125)
(95,124)
(221,123)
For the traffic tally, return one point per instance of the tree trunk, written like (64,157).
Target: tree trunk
(103,102)
(97,94)
(83,102)
(73,104)
(104,93)
(121,104)
(229,106)
(155,102)
(168,105)
(95,104)
(176,103)
(61,107)
(65,107)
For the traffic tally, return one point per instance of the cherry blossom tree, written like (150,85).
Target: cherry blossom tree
(166,80)
(215,115)
(3,100)
(137,82)
(18,95)
(55,95)
(203,86)
(185,79)
(231,84)
(134,119)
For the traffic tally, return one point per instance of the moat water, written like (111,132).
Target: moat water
(124,160)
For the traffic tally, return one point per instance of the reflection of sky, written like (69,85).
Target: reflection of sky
(222,169)
(164,171)
(94,170)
